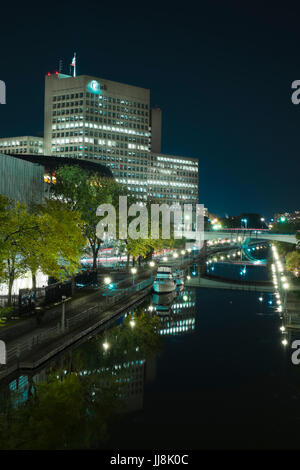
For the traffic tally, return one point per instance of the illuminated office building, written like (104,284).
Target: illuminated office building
(173,179)
(92,118)
(25,145)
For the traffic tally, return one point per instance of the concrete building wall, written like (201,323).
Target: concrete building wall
(155,123)
(21,180)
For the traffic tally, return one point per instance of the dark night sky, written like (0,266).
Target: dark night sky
(222,75)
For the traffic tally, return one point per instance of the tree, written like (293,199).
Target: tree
(57,244)
(47,238)
(293,262)
(16,230)
(84,192)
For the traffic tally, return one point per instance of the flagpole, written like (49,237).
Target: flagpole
(74,64)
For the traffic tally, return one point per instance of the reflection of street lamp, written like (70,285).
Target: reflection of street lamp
(63,297)
(133,272)
(285,287)
(105,346)
(132,323)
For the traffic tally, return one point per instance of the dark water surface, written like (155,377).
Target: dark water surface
(215,375)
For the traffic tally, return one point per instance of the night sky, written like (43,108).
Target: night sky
(221,74)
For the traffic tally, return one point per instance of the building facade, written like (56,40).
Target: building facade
(91,118)
(173,179)
(25,145)
(111,123)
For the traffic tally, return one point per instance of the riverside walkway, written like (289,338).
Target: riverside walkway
(29,345)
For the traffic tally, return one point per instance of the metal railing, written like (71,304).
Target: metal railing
(22,347)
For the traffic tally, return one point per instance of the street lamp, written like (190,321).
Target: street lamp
(133,272)
(245,222)
(151,264)
(107,281)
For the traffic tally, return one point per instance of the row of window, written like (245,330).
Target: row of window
(100,97)
(91,118)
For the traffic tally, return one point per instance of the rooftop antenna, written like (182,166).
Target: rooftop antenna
(74,65)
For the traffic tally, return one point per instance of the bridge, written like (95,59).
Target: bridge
(253,234)
(256,234)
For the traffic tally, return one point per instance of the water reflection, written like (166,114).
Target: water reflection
(180,315)
(81,393)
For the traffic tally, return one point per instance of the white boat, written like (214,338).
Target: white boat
(178,275)
(164,281)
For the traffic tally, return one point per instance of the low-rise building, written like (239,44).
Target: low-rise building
(25,145)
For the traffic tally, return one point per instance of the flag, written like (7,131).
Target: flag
(73,61)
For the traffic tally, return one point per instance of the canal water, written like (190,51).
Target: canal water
(204,370)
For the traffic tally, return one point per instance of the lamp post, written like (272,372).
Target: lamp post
(107,281)
(151,264)
(63,310)
(133,272)
(245,222)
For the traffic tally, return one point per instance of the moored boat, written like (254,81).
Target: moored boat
(164,281)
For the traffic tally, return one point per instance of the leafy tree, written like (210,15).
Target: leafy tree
(84,192)
(56,246)
(16,229)
(293,262)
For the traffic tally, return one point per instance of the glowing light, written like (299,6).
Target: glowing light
(105,346)
(107,280)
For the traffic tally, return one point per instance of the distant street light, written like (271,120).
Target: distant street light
(133,272)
